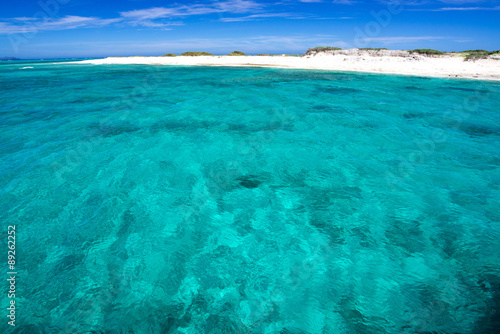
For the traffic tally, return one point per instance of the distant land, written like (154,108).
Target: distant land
(9,58)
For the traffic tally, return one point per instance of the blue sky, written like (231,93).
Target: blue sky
(90,28)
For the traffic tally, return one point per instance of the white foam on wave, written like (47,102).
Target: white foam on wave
(24,68)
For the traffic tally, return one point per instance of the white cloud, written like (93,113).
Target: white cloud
(461,2)
(30,25)
(447,9)
(254,17)
(142,17)
(162,17)
(233,6)
(344,2)
(238,6)
(466,8)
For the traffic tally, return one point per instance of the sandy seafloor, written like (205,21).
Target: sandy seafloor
(183,199)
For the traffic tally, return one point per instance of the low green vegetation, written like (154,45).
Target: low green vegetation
(428,52)
(478,54)
(474,51)
(373,49)
(196,53)
(278,55)
(236,53)
(322,49)
(469,55)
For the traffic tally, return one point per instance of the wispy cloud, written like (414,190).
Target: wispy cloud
(226,10)
(345,2)
(289,16)
(448,9)
(163,17)
(436,5)
(462,2)
(144,17)
(257,10)
(233,6)
(320,18)
(151,18)
(25,25)
(338,2)
(255,17)
(466,8)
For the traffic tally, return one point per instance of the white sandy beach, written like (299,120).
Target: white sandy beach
(389,62)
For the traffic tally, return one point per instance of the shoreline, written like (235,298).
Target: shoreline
(452,67)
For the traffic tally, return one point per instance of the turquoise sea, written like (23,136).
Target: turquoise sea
(153,199)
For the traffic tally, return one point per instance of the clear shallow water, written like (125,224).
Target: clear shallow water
(239,200)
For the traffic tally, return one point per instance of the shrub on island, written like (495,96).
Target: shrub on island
(170,55)
(478,54)
(236,53)
(428,52)
(196,53)
(474,51)
(322,49)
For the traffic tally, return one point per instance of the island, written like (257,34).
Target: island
(471,64)
(9,58)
